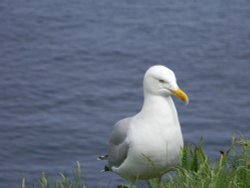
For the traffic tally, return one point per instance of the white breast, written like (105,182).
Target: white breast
(150,156)
(155,144)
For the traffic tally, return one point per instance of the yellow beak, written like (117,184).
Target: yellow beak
(180,95)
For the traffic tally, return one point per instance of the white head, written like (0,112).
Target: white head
(160,80)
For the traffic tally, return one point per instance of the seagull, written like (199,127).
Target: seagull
(148,144)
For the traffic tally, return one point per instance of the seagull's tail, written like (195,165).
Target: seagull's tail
(103,157)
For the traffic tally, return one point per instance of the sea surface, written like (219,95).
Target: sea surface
(70,69)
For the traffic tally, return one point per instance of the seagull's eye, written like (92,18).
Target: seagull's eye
(161,81)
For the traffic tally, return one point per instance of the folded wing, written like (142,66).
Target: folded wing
(118,146)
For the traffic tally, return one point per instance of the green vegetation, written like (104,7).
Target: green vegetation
(232,170)
(65,182)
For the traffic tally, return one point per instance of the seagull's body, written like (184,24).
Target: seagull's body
(148,144)
(153,142)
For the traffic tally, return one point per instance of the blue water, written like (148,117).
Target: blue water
(70,69)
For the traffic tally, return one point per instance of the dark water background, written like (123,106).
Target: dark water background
(70,69)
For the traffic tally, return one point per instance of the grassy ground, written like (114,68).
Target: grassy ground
(232,170)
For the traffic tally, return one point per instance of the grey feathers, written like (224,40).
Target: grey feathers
(118,147)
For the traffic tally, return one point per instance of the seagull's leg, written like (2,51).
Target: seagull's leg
(131,185)
(160,183)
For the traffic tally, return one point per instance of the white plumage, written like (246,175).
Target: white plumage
(148,144)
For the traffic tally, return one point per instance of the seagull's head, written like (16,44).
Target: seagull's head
(160,80)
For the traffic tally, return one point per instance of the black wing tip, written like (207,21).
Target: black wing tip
(103,157)
(105,169)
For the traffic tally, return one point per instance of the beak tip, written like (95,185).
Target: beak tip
(181,95)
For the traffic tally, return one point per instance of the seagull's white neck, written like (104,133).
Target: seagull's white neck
(159,107)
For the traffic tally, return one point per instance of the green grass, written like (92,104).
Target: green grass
(75,181)
(231,170)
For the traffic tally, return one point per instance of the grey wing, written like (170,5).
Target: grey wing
(118,147)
